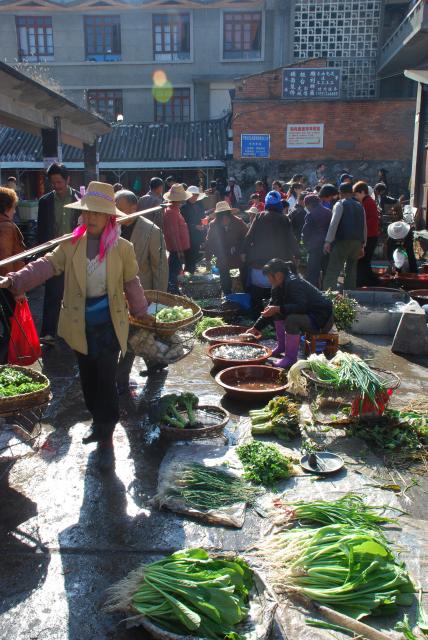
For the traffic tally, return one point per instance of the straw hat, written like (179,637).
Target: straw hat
(177,193)
(99,198)
(252,210)
(398,230)
(223,207)
(195,191)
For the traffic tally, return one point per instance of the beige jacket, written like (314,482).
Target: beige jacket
(122,267)
(149,245)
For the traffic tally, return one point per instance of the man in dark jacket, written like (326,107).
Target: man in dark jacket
(193,211)
(270,236)
(314,232)
(53,221)
(345,240)
(151,199)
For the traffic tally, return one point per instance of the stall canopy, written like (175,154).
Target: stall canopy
(29,106)
(418,75)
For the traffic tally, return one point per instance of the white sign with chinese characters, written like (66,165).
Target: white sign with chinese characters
(305,136)
(312,83)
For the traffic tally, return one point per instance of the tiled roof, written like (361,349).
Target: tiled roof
(147,142)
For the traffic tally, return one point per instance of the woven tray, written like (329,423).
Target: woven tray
(391,380)
(23,401)
(169,300)
(216,418)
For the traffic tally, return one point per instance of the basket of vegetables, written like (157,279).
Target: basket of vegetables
(22,388)
(351,378)
(181,417)
(167,313)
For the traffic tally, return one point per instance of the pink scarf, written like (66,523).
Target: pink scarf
(109,237)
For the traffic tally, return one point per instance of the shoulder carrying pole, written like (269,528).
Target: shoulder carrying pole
(51,244)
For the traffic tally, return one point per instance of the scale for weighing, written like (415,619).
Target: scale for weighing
(321,463)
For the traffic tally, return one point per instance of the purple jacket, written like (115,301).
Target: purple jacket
(316,225)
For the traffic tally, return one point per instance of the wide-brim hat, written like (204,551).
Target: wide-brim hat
(223,207)
(195,191)
(252,210)
(99,198)
(177,193)
(398,230)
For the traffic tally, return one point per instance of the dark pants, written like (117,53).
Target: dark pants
(365,275)
(124,369)
(174,266)
(258,295)
(297,323)
(317,262)
(7,307)
(98,378)
(192,257)
(54,289)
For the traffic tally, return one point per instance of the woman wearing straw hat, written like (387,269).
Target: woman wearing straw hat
(224,240)
(99,268)
(176,233)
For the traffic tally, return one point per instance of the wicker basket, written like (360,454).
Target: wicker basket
(390,379)
(169,300)
(24,401)
(215,419)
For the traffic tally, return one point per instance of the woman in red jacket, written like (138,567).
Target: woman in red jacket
(365,275)
(176,233)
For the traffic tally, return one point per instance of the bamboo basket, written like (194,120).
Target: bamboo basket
(169,300)
(24,401)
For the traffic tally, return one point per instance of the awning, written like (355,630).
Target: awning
(418,75)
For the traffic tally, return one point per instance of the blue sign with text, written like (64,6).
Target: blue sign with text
(255,145)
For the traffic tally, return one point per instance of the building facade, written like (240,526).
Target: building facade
(175,60)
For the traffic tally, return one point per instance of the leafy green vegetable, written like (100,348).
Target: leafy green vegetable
(170,413)
(344,310)
(321,624)
(346,567)
(14,382)
(280,417)
(207,488)
(405,627)
(189,593)
(172,314)
(208,323)
(264,463)
(189,402)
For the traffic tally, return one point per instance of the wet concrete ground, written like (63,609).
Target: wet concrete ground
(67,532)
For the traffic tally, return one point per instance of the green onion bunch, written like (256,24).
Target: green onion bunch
(351,509)
(190,593)
(346,567)
(206,488)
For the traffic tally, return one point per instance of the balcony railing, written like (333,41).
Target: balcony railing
(415,20)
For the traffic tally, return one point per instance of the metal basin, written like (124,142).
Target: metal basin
(252,382)
(222,363)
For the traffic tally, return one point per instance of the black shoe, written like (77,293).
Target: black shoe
(92,435)
(105,457)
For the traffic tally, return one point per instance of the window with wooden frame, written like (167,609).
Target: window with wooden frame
(177,109)
(108,103)
(242,35)
(102,38)
(171,36)
(35,38)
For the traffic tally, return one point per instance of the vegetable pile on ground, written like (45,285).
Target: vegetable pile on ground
(344,310)
(188,593)
(346,567)
(206,488)
(173,314)
(280,417)
(350,509)
(208,323)
(179,410)
(345,372)
(14,382)
(237,352)
(264,463)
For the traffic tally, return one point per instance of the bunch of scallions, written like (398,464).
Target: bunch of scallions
(348,371)
(188,593)
(346,567)
(206,488)
(350,509)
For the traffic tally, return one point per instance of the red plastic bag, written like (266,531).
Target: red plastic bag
(24,344)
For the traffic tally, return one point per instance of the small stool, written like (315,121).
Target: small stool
(331,340)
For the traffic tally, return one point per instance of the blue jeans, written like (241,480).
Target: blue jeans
(174,266)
